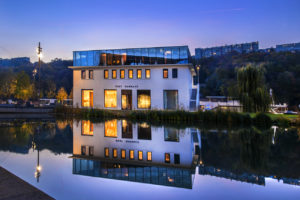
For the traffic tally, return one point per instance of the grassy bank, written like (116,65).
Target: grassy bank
(179,117)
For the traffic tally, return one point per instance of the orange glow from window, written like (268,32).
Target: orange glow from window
(139,73)
(167,157)
(149,156)
(140,155)
(122,73)
(106,150)
(148,73)
(115,153)
(130,73)
(87,98)
(131,154)
(110,98)
(144,100)
(106,74)
(123,153)
(87,127)
(114,74)
(110,128)
(165,73)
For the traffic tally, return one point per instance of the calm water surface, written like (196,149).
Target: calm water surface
(118,159)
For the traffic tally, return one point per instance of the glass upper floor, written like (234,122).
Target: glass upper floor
(133,56)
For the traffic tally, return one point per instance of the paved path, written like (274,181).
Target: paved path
(14,188)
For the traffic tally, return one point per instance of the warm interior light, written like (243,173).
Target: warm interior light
(87,98)
(110,98)
(144,101)
(87,128)
(111,128)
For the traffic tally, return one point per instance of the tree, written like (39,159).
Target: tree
(71,94)
(253,94)
(61,95)
(23,87)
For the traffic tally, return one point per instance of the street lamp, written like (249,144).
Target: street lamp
(198,74)
(39,54)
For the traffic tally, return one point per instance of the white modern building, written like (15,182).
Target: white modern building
(135,79)
(119,149)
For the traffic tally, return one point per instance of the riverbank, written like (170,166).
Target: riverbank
(12,187)
(178,117)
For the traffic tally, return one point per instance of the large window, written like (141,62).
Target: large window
(106,74)
(148,73)
(114,74)
(144,99)
(126,129)
(130,73)
(170,99)
(171,134)
(110,128)
(87,128)
(174,73)
(87,98)
(139,73)
(165,73)
(144,131)
(110,98)
(122,73)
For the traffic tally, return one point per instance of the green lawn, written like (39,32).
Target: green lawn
(274,116)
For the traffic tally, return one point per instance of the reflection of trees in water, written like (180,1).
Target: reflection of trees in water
(18,137)
(251,150)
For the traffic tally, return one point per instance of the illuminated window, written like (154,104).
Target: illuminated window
(110,98)
(149,156)
(123,153)
(106,152)
(122,74)
(110,128)
(131,154)
(130,73)
(126,129)
(83,74)
(87,98)
(115,153)
(139,73)
(91,74)
(87,128)
(144,99)
(114,74)
(167,158)
(165,73)
(147,73)
(140,153)
(106,74)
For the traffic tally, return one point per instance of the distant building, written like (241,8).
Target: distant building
(222,50)
(14,62)
(288,47)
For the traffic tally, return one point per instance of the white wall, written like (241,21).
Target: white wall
(156,84)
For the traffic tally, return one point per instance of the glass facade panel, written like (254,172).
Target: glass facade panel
(110,98)
(144,99)
(110,128)
(135,56)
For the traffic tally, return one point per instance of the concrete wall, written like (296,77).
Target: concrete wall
(157,84)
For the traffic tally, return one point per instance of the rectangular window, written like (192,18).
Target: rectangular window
(165,73)
(87,127)
(123,154)
(130,73)
(174,73)
(110,128)
(176,159)
(126,129)
(140,153)
(171,134)
(144,131)
(139,73)
(149,156)
(83,150)
(122,74)
(106,74)
(167,158)
(106,152)
(83,74)
(113,74)
(91,151)
(148,73)
(91,74)
(87,98)
(144,99)
(170,99)
(131,154)
(110,98)
(115,153)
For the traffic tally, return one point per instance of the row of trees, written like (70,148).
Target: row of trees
(278,71)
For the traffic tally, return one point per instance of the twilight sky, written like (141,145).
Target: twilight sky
(63,26)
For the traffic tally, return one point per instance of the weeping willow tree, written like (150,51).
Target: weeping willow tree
(252,92)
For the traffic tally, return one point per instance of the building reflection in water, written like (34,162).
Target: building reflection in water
(119,149)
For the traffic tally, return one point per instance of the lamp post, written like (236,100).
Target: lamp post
(198,74)
(39,53)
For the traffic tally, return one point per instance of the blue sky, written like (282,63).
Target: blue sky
(63,26)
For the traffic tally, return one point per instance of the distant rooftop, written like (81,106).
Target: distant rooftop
(133,56)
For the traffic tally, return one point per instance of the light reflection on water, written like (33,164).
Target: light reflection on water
(183,163)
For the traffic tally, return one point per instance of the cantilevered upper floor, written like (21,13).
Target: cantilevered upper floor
(133,56)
